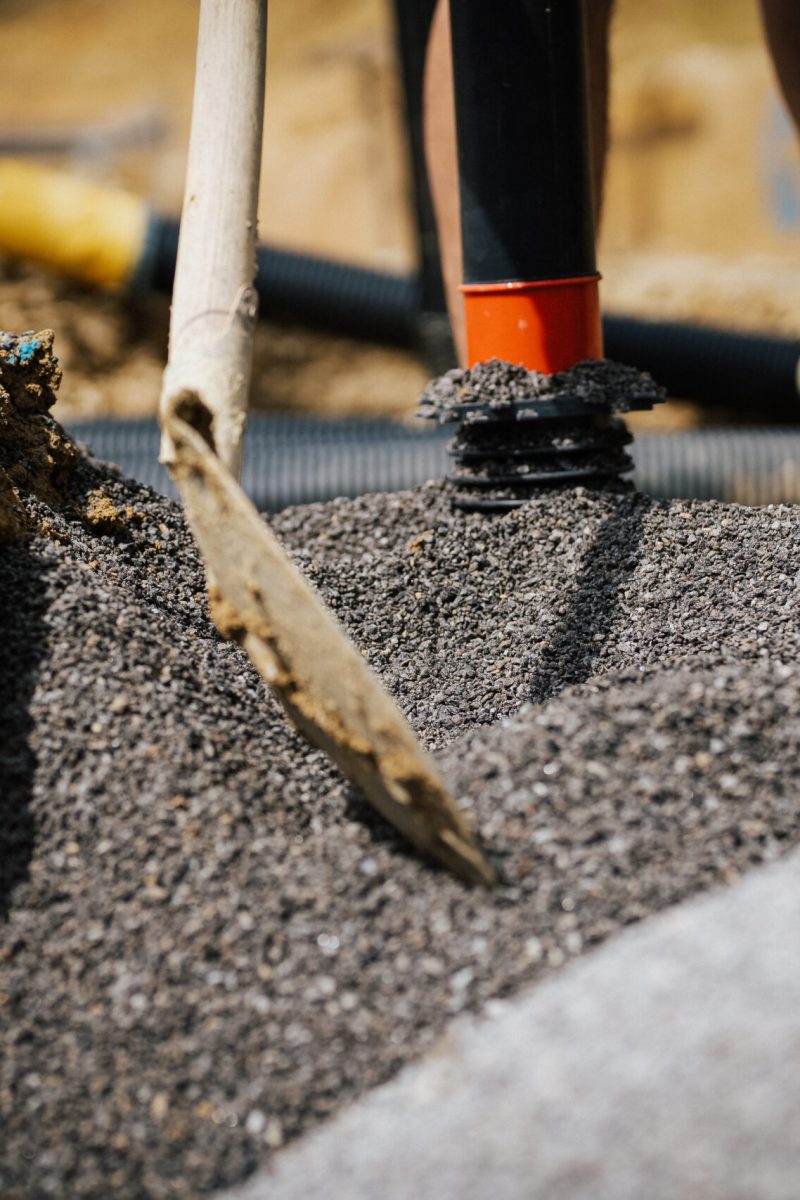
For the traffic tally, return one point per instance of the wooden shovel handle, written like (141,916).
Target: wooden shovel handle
(213,302)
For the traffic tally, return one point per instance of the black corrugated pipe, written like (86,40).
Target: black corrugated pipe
(412,20)
(713,366)
(412,25)
(297,460)
(745,371)
(321,293)
(710,366)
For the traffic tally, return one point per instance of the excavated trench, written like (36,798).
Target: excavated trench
(209,943)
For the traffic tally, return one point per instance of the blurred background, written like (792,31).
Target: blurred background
(701,213)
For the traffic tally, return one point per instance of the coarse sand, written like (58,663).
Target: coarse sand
(209,943)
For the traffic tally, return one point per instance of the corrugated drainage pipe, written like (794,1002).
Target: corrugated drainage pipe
(710,366)
(112,238)
(298,460)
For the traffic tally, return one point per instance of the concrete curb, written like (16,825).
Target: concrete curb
(664,1065)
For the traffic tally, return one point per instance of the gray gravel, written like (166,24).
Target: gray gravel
(496,385)
(210,944)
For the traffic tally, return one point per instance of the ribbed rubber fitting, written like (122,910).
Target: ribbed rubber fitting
(520,431)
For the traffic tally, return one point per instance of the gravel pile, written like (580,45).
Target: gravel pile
(209,943)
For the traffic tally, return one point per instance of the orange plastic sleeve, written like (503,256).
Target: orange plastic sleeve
(546,326)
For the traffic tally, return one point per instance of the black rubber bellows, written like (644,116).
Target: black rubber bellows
(519,432)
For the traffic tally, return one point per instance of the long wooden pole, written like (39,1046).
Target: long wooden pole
(214,303)
(257,595)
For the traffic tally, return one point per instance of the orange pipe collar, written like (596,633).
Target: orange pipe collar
(546,326)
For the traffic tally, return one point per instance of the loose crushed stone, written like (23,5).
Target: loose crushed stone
(209,943)
(499,385)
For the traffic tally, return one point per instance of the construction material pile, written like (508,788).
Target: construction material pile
(209,943)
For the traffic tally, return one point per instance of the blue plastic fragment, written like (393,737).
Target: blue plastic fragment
(23,346)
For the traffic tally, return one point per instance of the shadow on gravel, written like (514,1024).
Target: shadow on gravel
(22,644)
(594,605)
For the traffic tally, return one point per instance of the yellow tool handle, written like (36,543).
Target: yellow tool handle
(93,233)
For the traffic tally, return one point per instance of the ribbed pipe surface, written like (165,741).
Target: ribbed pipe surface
(298,460)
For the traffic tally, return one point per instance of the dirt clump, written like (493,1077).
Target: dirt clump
(35,455)
(101,513)
(37,458)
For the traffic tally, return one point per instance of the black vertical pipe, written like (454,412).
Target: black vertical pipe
(412,26)
(523,148)
(413,20)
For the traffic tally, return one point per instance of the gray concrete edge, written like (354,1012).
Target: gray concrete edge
(665,1064)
